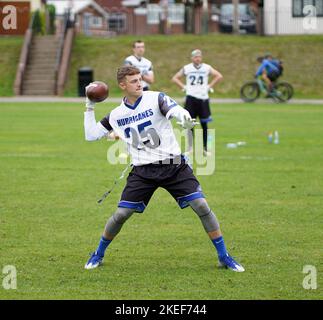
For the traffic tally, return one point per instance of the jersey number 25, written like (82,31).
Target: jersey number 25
(146,138)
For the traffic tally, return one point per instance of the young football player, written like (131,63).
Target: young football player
(197,90)
(138,60)
(142,120)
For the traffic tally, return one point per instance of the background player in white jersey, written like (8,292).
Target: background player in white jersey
(142,120)
(144,65)
(197,89)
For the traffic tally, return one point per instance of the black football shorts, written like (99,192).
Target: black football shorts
(178,179)
(198,108)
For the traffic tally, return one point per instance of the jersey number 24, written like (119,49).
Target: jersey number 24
(196,80)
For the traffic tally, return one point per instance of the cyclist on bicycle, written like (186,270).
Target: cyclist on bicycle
(268,71)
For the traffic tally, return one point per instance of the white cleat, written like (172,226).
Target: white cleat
(94,261)
(228,262)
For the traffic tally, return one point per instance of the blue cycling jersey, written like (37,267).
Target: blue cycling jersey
(275,62)
(270,66)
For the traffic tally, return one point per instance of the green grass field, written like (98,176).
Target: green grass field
(268,199)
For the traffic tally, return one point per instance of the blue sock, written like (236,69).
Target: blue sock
(103,246)
(220,246)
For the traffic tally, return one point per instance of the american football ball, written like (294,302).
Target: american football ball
(97,91)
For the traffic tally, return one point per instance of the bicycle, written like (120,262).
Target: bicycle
(282,91)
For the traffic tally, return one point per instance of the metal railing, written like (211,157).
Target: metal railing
(66,25)
(24,55)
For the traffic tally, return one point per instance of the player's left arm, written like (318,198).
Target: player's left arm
(216,77)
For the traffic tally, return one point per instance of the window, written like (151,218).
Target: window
(117,22)
(175,13)
(96,22)
(154,11)
(298,6)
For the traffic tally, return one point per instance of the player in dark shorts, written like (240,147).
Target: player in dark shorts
(176,177)
(197,88)
(142,120)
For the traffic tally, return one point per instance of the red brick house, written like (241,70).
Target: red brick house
(111,17)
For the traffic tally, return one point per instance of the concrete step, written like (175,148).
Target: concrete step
(32,87)
(39,72)
(44,57)
(41,40)
(45,40)
(37,86)
(38,92)
(43,50)
(39,82)
(43,61)
(39,76)
(43,54)
(42,64)
(42,92)
(46,36)
(43,73)
(36,57)
(44,46)
(34,80)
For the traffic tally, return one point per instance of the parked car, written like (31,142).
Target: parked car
(247,20)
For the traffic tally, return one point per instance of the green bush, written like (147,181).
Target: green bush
(39,22)
(52,14)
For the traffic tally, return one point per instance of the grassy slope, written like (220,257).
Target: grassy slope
(9,57)
(268,198)
(234,56)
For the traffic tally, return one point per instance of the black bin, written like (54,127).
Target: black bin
(85,77)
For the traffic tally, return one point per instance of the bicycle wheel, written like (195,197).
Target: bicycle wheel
(290,89)
(250,91)
(281,92)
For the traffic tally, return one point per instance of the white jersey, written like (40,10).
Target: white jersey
(145,127)
(143,64)
(197,79)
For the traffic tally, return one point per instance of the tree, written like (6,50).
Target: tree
(235,16)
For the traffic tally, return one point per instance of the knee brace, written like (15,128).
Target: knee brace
(117,220)
(207,217)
